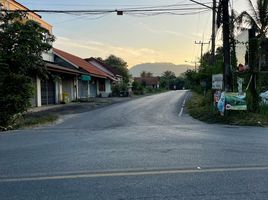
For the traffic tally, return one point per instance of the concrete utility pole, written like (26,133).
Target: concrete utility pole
(213,35)
(201,43)
(226,46)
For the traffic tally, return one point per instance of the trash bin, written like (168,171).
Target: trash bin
(66,98)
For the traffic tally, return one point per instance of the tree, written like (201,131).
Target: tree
(120,65)
(145,74)
(167,79)
(192,78)
(22,42)
(257,20)
(224,20)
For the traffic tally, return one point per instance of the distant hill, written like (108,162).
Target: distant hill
(158,68)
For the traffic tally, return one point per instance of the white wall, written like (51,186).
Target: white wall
(48,56)
(108,86)
(38,92)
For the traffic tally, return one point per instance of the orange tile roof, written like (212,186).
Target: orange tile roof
(79,62)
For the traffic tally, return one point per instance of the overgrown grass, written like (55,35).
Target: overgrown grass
(35,119)
(200,107)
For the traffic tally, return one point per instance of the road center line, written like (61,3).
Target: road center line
(131,173)
(183,105)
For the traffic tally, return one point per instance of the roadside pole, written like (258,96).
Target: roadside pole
(226,46)
(213,35)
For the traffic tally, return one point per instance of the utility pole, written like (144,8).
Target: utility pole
(193,62)
(213,35)
(226,46)
(201,43)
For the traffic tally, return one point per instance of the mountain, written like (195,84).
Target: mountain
(158,68)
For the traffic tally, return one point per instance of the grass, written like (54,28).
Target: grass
(35,119)
(200,107)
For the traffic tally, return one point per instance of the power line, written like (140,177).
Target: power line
(202,4)
(165,13)
(201,43)
(104,11)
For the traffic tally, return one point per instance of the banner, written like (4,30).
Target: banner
(235,101)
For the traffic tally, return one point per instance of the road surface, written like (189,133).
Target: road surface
(147,148)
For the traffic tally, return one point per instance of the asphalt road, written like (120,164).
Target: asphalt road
(147,148)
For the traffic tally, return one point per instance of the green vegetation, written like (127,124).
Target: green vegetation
(200,81)
(21,45)
(120,67)
(137,88)
(34,119)
(200,107)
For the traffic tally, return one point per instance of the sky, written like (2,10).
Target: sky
(136,39)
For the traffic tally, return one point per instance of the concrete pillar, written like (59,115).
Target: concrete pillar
(108,87)
(58,91)
(76,87)
(97,86)
(88,89)
(38,92)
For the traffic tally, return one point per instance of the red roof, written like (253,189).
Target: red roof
(79,62)
(148,80)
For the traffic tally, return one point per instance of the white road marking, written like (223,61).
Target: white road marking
(183,105)
(132,173)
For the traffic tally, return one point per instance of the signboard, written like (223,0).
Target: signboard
(85,78)
(235,101)
(217,81)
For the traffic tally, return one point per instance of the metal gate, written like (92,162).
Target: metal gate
(48,93)
(93,90)
(83,89)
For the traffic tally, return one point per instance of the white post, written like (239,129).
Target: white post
(97,86)
(76,82)
(88,89)
(56,91)
(38,92)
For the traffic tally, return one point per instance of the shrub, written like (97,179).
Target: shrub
(15,94)
(117,88)
(137,88)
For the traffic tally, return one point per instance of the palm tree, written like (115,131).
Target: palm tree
(257,20)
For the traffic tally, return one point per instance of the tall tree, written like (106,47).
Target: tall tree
(257,20)
(224,20)
(120,65)
(145,74)
(167,79)
(22,43)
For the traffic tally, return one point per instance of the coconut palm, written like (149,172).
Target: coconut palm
(256,18)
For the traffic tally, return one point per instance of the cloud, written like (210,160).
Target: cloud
(89,48)
(191,36)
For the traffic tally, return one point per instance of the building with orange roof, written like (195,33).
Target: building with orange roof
(99,81)
(70,77)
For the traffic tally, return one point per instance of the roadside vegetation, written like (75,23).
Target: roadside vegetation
(35,119)
(201,107)
(167,81)
(21,46)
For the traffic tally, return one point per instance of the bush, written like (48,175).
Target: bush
(119,88)
(15,94)
(137,88)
